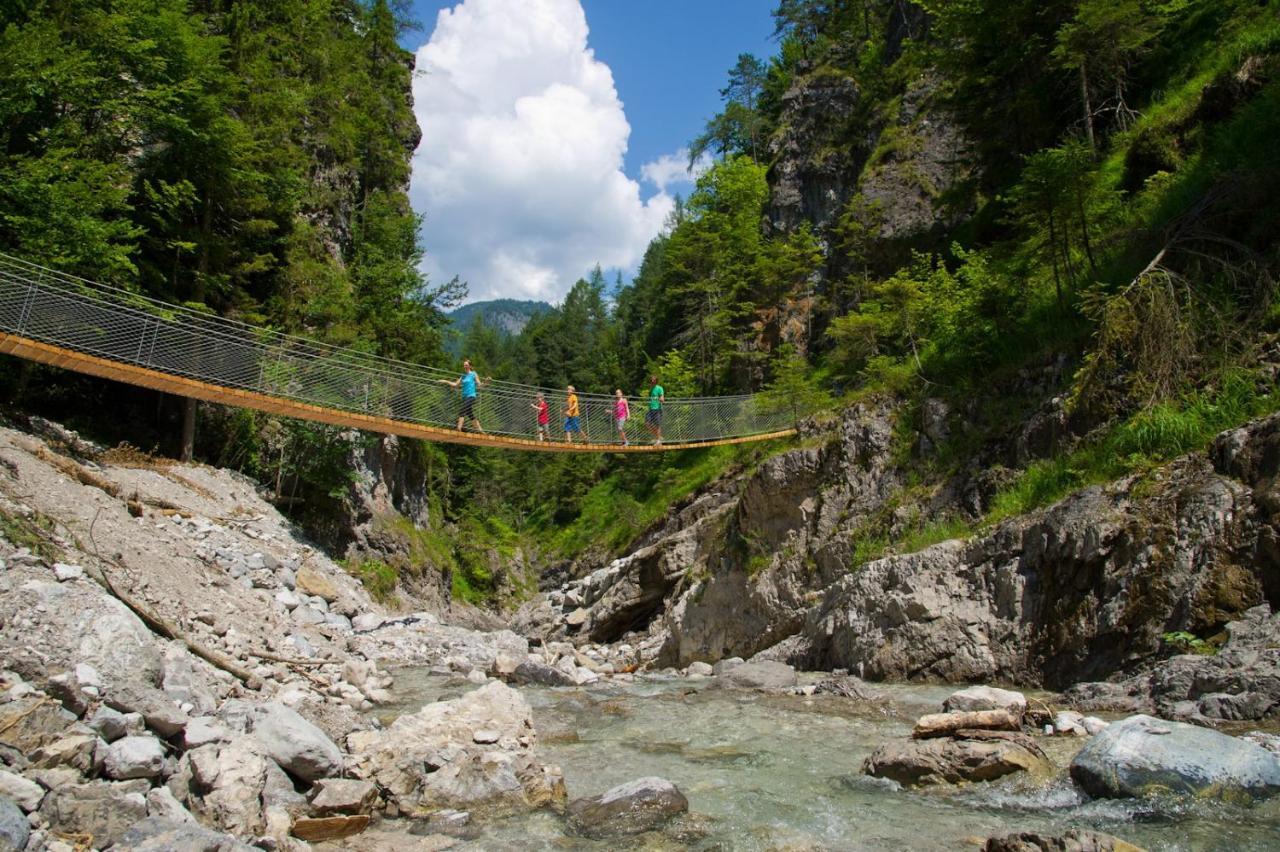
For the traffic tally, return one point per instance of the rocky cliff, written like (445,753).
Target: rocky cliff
(1085,590)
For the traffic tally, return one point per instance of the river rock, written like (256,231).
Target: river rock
(950,761)
(531,671)
(33,720)
(1076,840)
(725,665)
(986,698)
(162,804)
(25,792)
(309,581)
(110,724)
(156,708)
(14,828)
(765,674)
(157,834)
(100,809)
(699,669)
(134,757)
(1068,723)
(204,730)
(430,760)
(222,784)
(299,747)
(1143,755)
(343,796)
(640,805)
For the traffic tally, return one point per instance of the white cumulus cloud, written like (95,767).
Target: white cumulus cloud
(520,170)
(674,168)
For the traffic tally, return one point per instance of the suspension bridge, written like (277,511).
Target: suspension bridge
(64,321)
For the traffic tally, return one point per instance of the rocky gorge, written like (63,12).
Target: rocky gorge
(183,670)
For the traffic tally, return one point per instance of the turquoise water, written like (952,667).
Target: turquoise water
(765,772)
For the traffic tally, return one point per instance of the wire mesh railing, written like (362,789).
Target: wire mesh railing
(50,307)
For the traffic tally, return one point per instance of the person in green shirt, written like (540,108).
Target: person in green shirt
(653,417)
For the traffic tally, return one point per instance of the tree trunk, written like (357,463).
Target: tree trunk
(188,430)
(1053,253)
(1087,106)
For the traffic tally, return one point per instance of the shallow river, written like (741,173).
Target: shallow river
(765,772)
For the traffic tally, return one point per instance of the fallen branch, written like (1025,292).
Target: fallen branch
(275,658)
(946,724)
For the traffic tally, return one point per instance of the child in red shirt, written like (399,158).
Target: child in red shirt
(544,417)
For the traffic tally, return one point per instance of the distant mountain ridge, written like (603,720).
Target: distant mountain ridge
(506,315)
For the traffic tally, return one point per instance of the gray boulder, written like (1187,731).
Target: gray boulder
(23,791)
(764,674)
(79,623)
(640,805)
(156,708)
(1076,840)
(343,796)
(99,809)
(156,834)
(541,674)
(14,828)
(986,698)
(134,757)
(1142,756)
(299,747)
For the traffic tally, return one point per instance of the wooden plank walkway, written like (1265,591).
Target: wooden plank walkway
(80,362)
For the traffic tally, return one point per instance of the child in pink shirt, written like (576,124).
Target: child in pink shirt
(621,411)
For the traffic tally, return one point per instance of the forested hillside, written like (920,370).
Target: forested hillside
(912,201)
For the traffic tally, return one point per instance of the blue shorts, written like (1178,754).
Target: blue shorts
(571,425)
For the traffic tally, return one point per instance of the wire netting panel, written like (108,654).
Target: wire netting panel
(50,307)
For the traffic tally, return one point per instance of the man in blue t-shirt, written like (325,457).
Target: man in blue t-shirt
(653,417)
(470,383)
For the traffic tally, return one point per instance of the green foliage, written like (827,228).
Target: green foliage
(1188,643)
(1149,437)
(378,578)
(33,531)
(793,389)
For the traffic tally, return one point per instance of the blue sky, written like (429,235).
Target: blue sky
(553,129)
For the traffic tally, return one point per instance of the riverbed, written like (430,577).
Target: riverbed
(783,772)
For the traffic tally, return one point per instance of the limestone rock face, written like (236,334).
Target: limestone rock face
(640,805)
(1142,756)
(792,513)
(805,187)
(1054,597)
(430,759)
